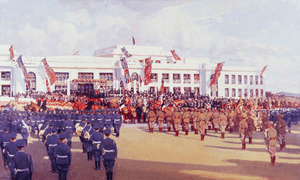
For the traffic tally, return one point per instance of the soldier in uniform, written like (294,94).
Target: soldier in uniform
(4,140)
(100,120)
(202,125)
(82,125)
(271,136)
(110,153)
(151,119)
(177,120)
(109,118)
(24,129)
(21,164)
(85,135)
(216,120)
(68,129)
(160,119)
(231,119)
(169,115)
(242,130)
(251,126)
(223,123)
(191,112)
(63,157)
(186,120)
(265,122)
(11,150)
(117,122)
(51,143)
(195,120)
(280,127)
(97,146)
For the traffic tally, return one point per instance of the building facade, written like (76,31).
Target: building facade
(103,71)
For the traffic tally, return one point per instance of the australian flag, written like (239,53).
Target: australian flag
(21,65)
(126,52)
(124,63)
(49,71)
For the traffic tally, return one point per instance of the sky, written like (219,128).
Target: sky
(239,32)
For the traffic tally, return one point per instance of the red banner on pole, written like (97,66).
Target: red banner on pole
(50,72)
(263,70)
(11,50)
(175,56)
(147,71)
(217,73)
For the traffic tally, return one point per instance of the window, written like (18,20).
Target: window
(246,92)
(245,79)
(226,79)
(167,90)
(240,92)
(62,76)
(154,78)
(165,77)
(251,93)
(226,92)
(262,93)
(196,79)
(256,80)
(256,93)
(187,89)
(197,90)
(233,92)
(261,80)
(232,79)
(32,81)
(186,78)
(107,76)
(251,79)
(176,78)
(157,61)
(152,89)
(240,79)
(5,75)
(176,89)
(85,75)
(5,90)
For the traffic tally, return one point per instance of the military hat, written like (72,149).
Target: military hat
(20,143)
(54,129)
(96,126)
(62,136)
(89,121)
(107,131)
(51,123)
(13,135)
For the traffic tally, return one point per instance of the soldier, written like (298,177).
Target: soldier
(117,122)
(160,119)
(208,120)
(169,115)
(151,119)
(51,143)
(195,120)
(216,120)
(251,126)
(202,125)
(242,130)
(177,120)
(21,164)
(109,118)
(63,157)
(11,150)
(68,129)
(85,135)
(97,146)
(186,120)
(82,125)
(191,119)
(100,120)
(24,129)
(265,122)
(271,136)
(223,123)
(231,119)
(280,127)
(110,153)
(4,140)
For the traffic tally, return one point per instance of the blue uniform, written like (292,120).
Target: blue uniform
(22,166)
(117,123)
(86,141)
(68,127)
(51,143)
(4,140)
(109,118)
(100,120)
(110,153)
(97,139)
(11,150)
(63,160)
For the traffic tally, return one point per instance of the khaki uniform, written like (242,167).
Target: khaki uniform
(186,121)
(191,120)
(250,128)
(242,131)
(169,115)
(151,119)
(223,122)
(177,121)
(231,119)
(216,120)
(203,122)
(271,136)
(195,118)
(280,127)
(208,120)
(160,119)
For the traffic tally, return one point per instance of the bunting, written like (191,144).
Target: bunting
(11,50)
(126,70)
(147,71)
(175,56)
(217,73)
(126,53)
(263,70)
(49,71)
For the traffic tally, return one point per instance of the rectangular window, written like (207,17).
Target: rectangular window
(226,92)
(262,93)
(245,92)
(256,93)
(176,90)
(197,90)
(187,89)
(186,78)
(85,75)
(233,92)
(240,79)
(5,90)
(240,92)
(232,79)
(261,80)
(106,76)
(251,93)
(176,78)
(256,80)
(196,79)
(245,79)
(165,77)
(5,75)
(154,78)
(226,79)
(251,80)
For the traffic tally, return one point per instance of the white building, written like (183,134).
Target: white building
(103,70)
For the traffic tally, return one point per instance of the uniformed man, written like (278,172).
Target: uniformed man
(191,112)
(63,157)
(265,122)
(169,116)
(51,143)
(110,153)
(202,124)
(85,135)
(271,136)
(100,120)
(109,118)
(68,129)
(216,120)
(280,127)
(186,120)
(11,150)
(195,120)
(21,164)
(24,129)
(117,122)
(4,140)
(177,121)
(151,120)
(160,119)
(251,126)
(231,119)
(242,130)
(82,125)
(223,123)
(97,142)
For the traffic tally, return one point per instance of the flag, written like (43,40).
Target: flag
(11,50)
(127,76)
(21,65)
(147,71)
(126,70)
(175,56)
(217,73)
(141,81)
(126,52)
(47,85)
(133,40)
(123,87)
(124,63)
(162,87)
(263,70)
(49,71)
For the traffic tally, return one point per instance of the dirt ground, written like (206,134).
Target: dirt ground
(145,156)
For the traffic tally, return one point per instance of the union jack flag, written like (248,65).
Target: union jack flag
(124,63)
(175,56)
(217,73)
(50,72)
(127,76)
(126,70)
(263,70)
(21,65)
(126,52)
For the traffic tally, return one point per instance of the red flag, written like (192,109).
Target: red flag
(133,40)
(50,72)
(175,56)
(217,73)
(47,85)
(123,87)
(141,81)
(11,50)
(21,65)
(263,70)
(147,71)
(162,87)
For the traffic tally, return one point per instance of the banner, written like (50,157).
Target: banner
(175,56)
(11,50)
(263,70)
(217,73)
(126,53)
(21,65)
(162,87)
(147,71)
(47,85)
(126,70)
(50,72)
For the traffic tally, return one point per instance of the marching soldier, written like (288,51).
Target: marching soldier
(191,119)
(202,125)
(186,121)
(110,153)
(117,122)
(271,136)
(251,126)
(109,118)
(85,135)
(79,129)
(100,120)
(97,146)
(265,122)
(177,121)
(195,120)
(4,140)
(242,130)
(11,150)
(68,129)
(21,164)
(231,119)
(280,127)
(63,157)
(151,119)
(169,115)
(208,120)
(160,119)
(51,143)
(24,129)
(216,120)
(223,123)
